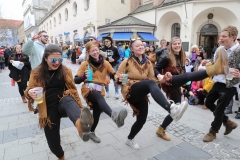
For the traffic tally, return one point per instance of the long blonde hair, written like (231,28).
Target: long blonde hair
(181,53)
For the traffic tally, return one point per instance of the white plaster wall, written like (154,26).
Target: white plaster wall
(148,16)
(96,14)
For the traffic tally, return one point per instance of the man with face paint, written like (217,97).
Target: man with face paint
(112,56)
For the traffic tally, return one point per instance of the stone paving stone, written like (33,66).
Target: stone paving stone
(193,150)
(37,156)
(9,135)
(67,122)
(4,127)
(68,151)
(120,134)
(147,152)
(123,148)
(130,157)
(81,147)
(1,137)
(163,156)
(18,151)
(70,137)
(84,156)
(179,153)
(100,154)
(107,139)
(39,146)
(1,154)
(24,132)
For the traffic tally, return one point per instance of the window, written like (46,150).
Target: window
(54,21)
(50,24)
(74,9)
(59,18)
(122,1)
(175,30)
(66,14)
(86,4)
(107,21)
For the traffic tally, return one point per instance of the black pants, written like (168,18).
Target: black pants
(99,105)
(22,87)
(226,95)
(67,107)
(138,93)
(178,81)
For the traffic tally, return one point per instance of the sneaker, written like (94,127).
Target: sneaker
(118,118)
(94,138)
(107,95)
(116,95)
(132,144)
(177,110)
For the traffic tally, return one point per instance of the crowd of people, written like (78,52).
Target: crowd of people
(138,69)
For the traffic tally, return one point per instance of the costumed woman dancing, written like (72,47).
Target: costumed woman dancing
(140,84)
(60,99)
(93,90)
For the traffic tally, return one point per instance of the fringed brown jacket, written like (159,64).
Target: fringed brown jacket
(99,76)
(71,90)
(136,73)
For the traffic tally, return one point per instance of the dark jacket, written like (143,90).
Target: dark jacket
(17,74)
(7,52)
(160,53)
(111,52)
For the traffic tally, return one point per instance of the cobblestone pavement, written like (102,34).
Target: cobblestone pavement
(21,138)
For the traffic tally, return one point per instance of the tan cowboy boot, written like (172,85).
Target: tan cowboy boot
(84,124)
(220,64)
(24,99)
(161,133)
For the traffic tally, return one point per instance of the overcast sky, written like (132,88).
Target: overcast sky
(12,9)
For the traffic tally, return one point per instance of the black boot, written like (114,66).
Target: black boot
(238,115)
(228,109)
(36,110)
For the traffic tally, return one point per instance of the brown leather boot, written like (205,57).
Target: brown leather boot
(24,99)
(84,124)
(161,133)
(209,137)
(220,64)
(230,125)
(62,158)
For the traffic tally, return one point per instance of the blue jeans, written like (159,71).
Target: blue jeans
(115,85)
(1,65)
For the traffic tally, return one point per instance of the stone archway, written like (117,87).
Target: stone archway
(220,20)
(164,27)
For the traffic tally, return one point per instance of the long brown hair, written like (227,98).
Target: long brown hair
(43,70)
(15,53)
(181,53)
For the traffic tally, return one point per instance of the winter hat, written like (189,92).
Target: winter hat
(108,38)
(200,55)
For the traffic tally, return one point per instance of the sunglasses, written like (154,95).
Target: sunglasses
(45,36)
(106,41)
(54,60)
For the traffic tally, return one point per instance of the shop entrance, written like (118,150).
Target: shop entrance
(208,38)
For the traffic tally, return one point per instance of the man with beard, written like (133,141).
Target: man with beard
(112,56)
(35,48)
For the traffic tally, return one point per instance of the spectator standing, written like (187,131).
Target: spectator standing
(112,57)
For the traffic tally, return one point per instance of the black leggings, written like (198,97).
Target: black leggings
(22,87)
(99,105)
(178,81)
(138,93)
(67,107)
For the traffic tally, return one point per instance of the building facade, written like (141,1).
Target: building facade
(194,21)
(33,11)
(71,21)
(8,32)
(21,34)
